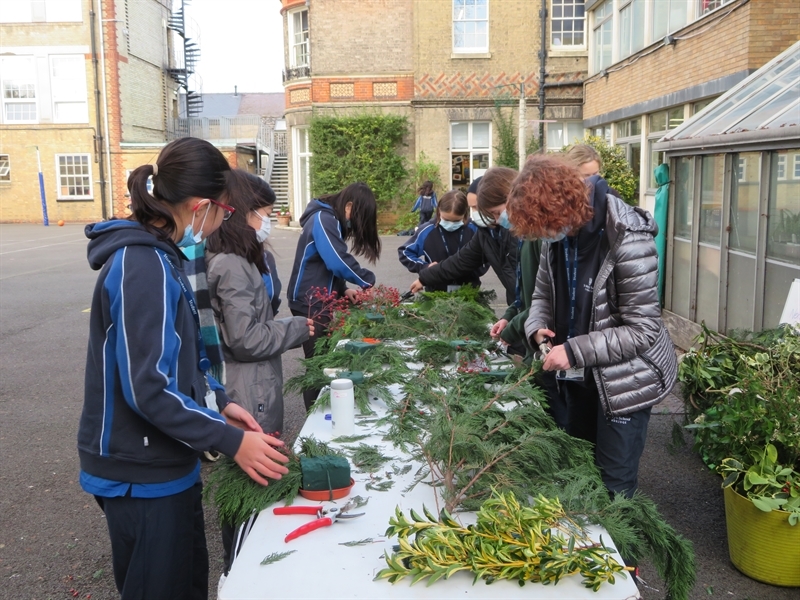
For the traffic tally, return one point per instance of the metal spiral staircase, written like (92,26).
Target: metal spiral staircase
(185,74)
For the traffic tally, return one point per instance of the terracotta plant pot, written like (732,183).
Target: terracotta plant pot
(283,220)
(762,545)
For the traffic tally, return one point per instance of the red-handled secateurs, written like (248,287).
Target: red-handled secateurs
(325,517)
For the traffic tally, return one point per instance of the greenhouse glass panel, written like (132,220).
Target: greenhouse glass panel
(777,281)
(783,225)
(741,283)
(745,186)
(747,96)
(707,307)
(775,106)
(711,199)
(684,193)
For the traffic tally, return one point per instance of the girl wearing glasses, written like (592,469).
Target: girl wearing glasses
(323,261)
(146,415)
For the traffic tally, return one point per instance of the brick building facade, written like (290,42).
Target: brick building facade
(445,64)
(59,59)
(643,84)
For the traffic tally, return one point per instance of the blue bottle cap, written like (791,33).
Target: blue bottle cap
(327,416)
(204,364)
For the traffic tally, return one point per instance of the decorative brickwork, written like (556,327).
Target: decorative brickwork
(342,90)
(300,96)
(384,89)
(473,85)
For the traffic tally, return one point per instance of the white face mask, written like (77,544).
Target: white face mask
(479,219)
(451,225)
(262,233)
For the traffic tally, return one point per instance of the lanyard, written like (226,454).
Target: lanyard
(444,241)
(203,364)
(572,281)
(518,289)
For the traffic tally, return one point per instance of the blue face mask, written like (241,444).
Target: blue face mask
(190,238)
(558,237)
(503,221)
(451,225)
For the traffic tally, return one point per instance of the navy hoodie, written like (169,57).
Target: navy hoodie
(322,259)
(144,417)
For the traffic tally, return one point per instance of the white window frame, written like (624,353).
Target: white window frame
(30,80)
(596,27)
(5,168)
(469,49)
(563,126)
(712,5)
(796,166)
(73,11)
(88,175)
(297,157)
(742,169)
(293,63)
(624,53)
(781,167)
(470,149)
(584,20)
(76,100)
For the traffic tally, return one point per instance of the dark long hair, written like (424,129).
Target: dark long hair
(246,193)
(426,189)
(187,168)
(363,228)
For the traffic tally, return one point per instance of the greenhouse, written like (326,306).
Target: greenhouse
(733,240)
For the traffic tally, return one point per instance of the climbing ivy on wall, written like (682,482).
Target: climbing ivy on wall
(365,147)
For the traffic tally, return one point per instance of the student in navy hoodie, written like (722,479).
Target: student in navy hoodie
(442,238)
(145,417)
(322,260)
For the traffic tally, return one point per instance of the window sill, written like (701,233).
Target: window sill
(471,55)
(75,199)
(567,52)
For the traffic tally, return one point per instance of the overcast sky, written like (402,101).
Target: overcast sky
(241,43)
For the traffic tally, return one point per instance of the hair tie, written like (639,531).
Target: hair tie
(155,169)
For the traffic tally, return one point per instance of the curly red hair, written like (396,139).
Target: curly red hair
(548,196)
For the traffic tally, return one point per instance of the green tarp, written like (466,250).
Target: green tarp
(662,201)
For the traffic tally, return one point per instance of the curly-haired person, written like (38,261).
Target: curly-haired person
(596,303)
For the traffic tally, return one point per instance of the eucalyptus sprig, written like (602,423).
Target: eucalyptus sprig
(537,543)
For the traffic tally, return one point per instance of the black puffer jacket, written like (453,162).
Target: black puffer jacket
(627,347)
(495,246)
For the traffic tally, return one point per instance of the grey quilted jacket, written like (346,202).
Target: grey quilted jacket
(627,347)
(252,339)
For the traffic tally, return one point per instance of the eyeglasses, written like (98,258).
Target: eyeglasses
(227,211)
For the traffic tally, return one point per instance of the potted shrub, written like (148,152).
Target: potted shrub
(283,217)
(743,395)
(762,512)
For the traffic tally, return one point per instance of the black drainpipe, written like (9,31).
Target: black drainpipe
(542,72)
(98,137)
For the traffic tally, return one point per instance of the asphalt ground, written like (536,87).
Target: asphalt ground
(53,538)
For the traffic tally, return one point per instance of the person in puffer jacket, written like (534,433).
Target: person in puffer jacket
(595,304)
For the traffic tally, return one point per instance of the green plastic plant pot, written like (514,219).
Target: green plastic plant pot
(762,545)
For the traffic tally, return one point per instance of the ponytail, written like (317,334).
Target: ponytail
(185,168)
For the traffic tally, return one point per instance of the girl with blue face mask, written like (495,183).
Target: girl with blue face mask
(440,239)
(151,408)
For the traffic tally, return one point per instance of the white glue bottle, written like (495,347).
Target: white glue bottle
(343,418)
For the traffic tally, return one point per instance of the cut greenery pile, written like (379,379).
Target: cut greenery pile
(480,441)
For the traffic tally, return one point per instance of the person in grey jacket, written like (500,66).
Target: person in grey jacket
(242,288)
(596,305)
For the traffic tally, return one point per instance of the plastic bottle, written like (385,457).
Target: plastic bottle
(343,418)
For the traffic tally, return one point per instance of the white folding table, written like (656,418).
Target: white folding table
(323,568)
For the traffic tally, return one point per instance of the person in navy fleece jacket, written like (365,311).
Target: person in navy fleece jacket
(323,262)
(146,418)
(442,238)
